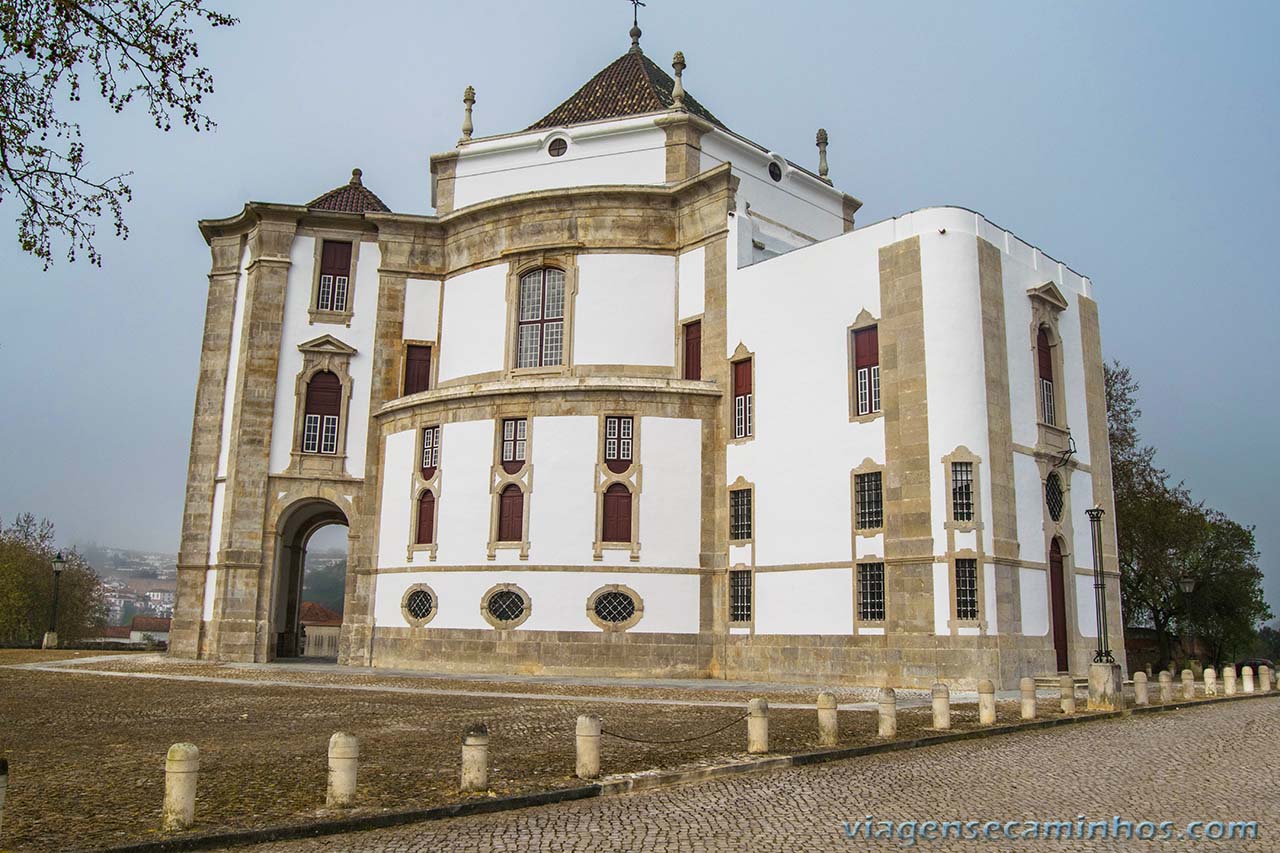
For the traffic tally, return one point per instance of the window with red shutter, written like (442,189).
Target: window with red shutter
(334,291)
(511,514)
(417,369)
(1044,364)
(427,519)
(322,408)
(743,408)
(866,369)
(430,451)
(619,443)
(617,514)
(515,445)
(693,350)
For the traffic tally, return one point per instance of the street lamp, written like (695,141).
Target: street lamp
(51,636)
(1103,653)
(1187,583)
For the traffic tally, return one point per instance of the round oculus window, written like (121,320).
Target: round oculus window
(614,607)
(419,604)
(775,171)
(505,605)
(557,147)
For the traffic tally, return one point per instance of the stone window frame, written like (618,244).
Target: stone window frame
(317,315)
(413,621)
(868,466)
(860,561)
(615,627)
(631,479)
(977,526)
(740,354)
(864,320)
(682,324)
(751,572)
(325,353)
(953,620)
(493,620)
(738,485)
(519,266)
(404,363)
(419,486)
(499,479)
(1047,305)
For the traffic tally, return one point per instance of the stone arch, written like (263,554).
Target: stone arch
(294,524)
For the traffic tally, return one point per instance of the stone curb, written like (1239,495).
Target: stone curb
(662,779)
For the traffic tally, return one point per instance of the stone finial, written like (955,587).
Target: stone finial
(636,32)
(468,98)
(823,169)
(677,92)
(356,174)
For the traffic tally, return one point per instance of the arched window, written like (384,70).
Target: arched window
(540,337)
(617,514)
(322,410)
(427,519)
(511,514)
(1044,363)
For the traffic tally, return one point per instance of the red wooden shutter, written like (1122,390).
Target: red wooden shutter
(866,348)
(417,369)
(617,514)
(693,350)
(511,515)
(1043,354)
(324,394)
(742,378)
(335,258)
(426,519)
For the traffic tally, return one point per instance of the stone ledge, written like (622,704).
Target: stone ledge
(551,385)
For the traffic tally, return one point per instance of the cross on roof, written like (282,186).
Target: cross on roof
(635,17)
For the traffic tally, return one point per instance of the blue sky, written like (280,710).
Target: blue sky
(1133,141)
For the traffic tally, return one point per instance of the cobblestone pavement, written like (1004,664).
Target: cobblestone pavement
(1211,764)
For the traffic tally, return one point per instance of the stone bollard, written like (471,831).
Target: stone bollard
(1141,694)
(828,720)
(986,702)
(588,737)
(4,786)
(888,713)
(757,726)
(475,758)
(1210,681)
(181,767)
(1027,705)
(1229,680)
(1246,675)
(1264,679)
(1067,694)
(1166,687)
(1188,684)
(344,758)
(941,707)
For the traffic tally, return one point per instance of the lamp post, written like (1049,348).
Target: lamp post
(1103,653)
(1187,583)
(51,636)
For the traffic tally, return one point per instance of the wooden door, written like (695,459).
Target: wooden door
(1058,599)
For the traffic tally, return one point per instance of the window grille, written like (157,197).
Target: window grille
(419,604)
(962,491)
(505,605)
(871,592)
(740,595)
(514,440)
(614,607)
(540,341)
(1053,496)
(740,514)
(870,498)
(1047,409)
(311,434)
(329,435)
(966,589)
(430,449)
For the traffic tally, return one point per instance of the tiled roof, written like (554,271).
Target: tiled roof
(632,85)
(318,615)
(115,632)
(149,623)
(351,197)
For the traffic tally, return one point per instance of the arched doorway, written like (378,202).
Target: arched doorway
(1058,602)
(312,525)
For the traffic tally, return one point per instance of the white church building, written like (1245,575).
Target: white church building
(640,399)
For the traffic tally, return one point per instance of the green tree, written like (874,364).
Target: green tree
(26,587)
(140,50)
(1227,605)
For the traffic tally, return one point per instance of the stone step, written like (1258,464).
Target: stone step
(1046,681)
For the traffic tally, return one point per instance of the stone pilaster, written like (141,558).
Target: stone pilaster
(684,145)
(206,442)
(714,609)
(444,167)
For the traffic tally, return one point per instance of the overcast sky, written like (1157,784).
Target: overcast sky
(1136,142)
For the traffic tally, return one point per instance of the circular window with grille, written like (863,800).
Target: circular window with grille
(557,148)
(505,606)
(1053,496)
(775,171)
(615,607)
(419,605)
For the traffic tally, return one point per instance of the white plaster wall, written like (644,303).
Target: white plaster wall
(298,329)
(210,594)
(627,152)
(804,602)
(941,598)
(625,310)
(1085,609)
(233,363)
(671,497)
(463,511)
(990,612)
(215,521)
(421,309)
(559,599)
(1030,501)
(394,517)
(693,282)
(563,509)
(1082,538)
(474,323)
(1033,586)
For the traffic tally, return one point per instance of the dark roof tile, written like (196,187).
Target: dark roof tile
(351,197)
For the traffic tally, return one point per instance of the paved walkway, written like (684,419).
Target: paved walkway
(1206,764)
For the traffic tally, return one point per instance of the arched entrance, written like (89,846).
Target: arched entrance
(1058,602)
(300,523)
